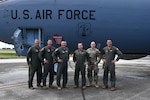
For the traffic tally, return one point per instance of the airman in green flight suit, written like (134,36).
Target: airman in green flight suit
(80,57)
(109,60)
(61,55)
(34,64)
(45,56)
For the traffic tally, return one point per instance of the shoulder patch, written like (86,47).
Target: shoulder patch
(117,49)
(56,49)
(42,49)
(87,50)
(98,50)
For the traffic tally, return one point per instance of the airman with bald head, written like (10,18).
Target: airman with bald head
(45,56)
(34,64)
(94,55)
(61,55)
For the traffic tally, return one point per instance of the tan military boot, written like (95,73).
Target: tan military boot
(75,86)
(113,89)
(89,84)
(59,88)
(104,87)
(31,88)
(51,86)
(96,85)
(83,87)
(44,87)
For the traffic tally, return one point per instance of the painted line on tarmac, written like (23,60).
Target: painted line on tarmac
(13,85)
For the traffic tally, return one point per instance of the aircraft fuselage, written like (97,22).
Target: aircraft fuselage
(126,22)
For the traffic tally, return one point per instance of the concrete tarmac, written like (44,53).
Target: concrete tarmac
(133,83)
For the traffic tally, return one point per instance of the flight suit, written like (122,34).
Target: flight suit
(62,53)
(34,61)
(46,54)
(109,56)
(94,53)
(80,57)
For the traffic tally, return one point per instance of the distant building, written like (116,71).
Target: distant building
(6,46)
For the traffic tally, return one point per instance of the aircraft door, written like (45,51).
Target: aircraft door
(18,44)
(31,35)
(24,38)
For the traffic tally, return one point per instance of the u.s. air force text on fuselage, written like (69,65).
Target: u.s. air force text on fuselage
(45,14)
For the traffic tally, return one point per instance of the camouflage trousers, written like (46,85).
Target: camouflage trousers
(90,70)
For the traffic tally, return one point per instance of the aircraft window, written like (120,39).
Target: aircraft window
(3,1)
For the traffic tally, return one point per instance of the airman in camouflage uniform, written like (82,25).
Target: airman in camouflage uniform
(94,55)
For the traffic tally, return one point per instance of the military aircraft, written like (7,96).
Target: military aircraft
(125,22)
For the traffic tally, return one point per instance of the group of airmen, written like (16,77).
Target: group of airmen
(49,55)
